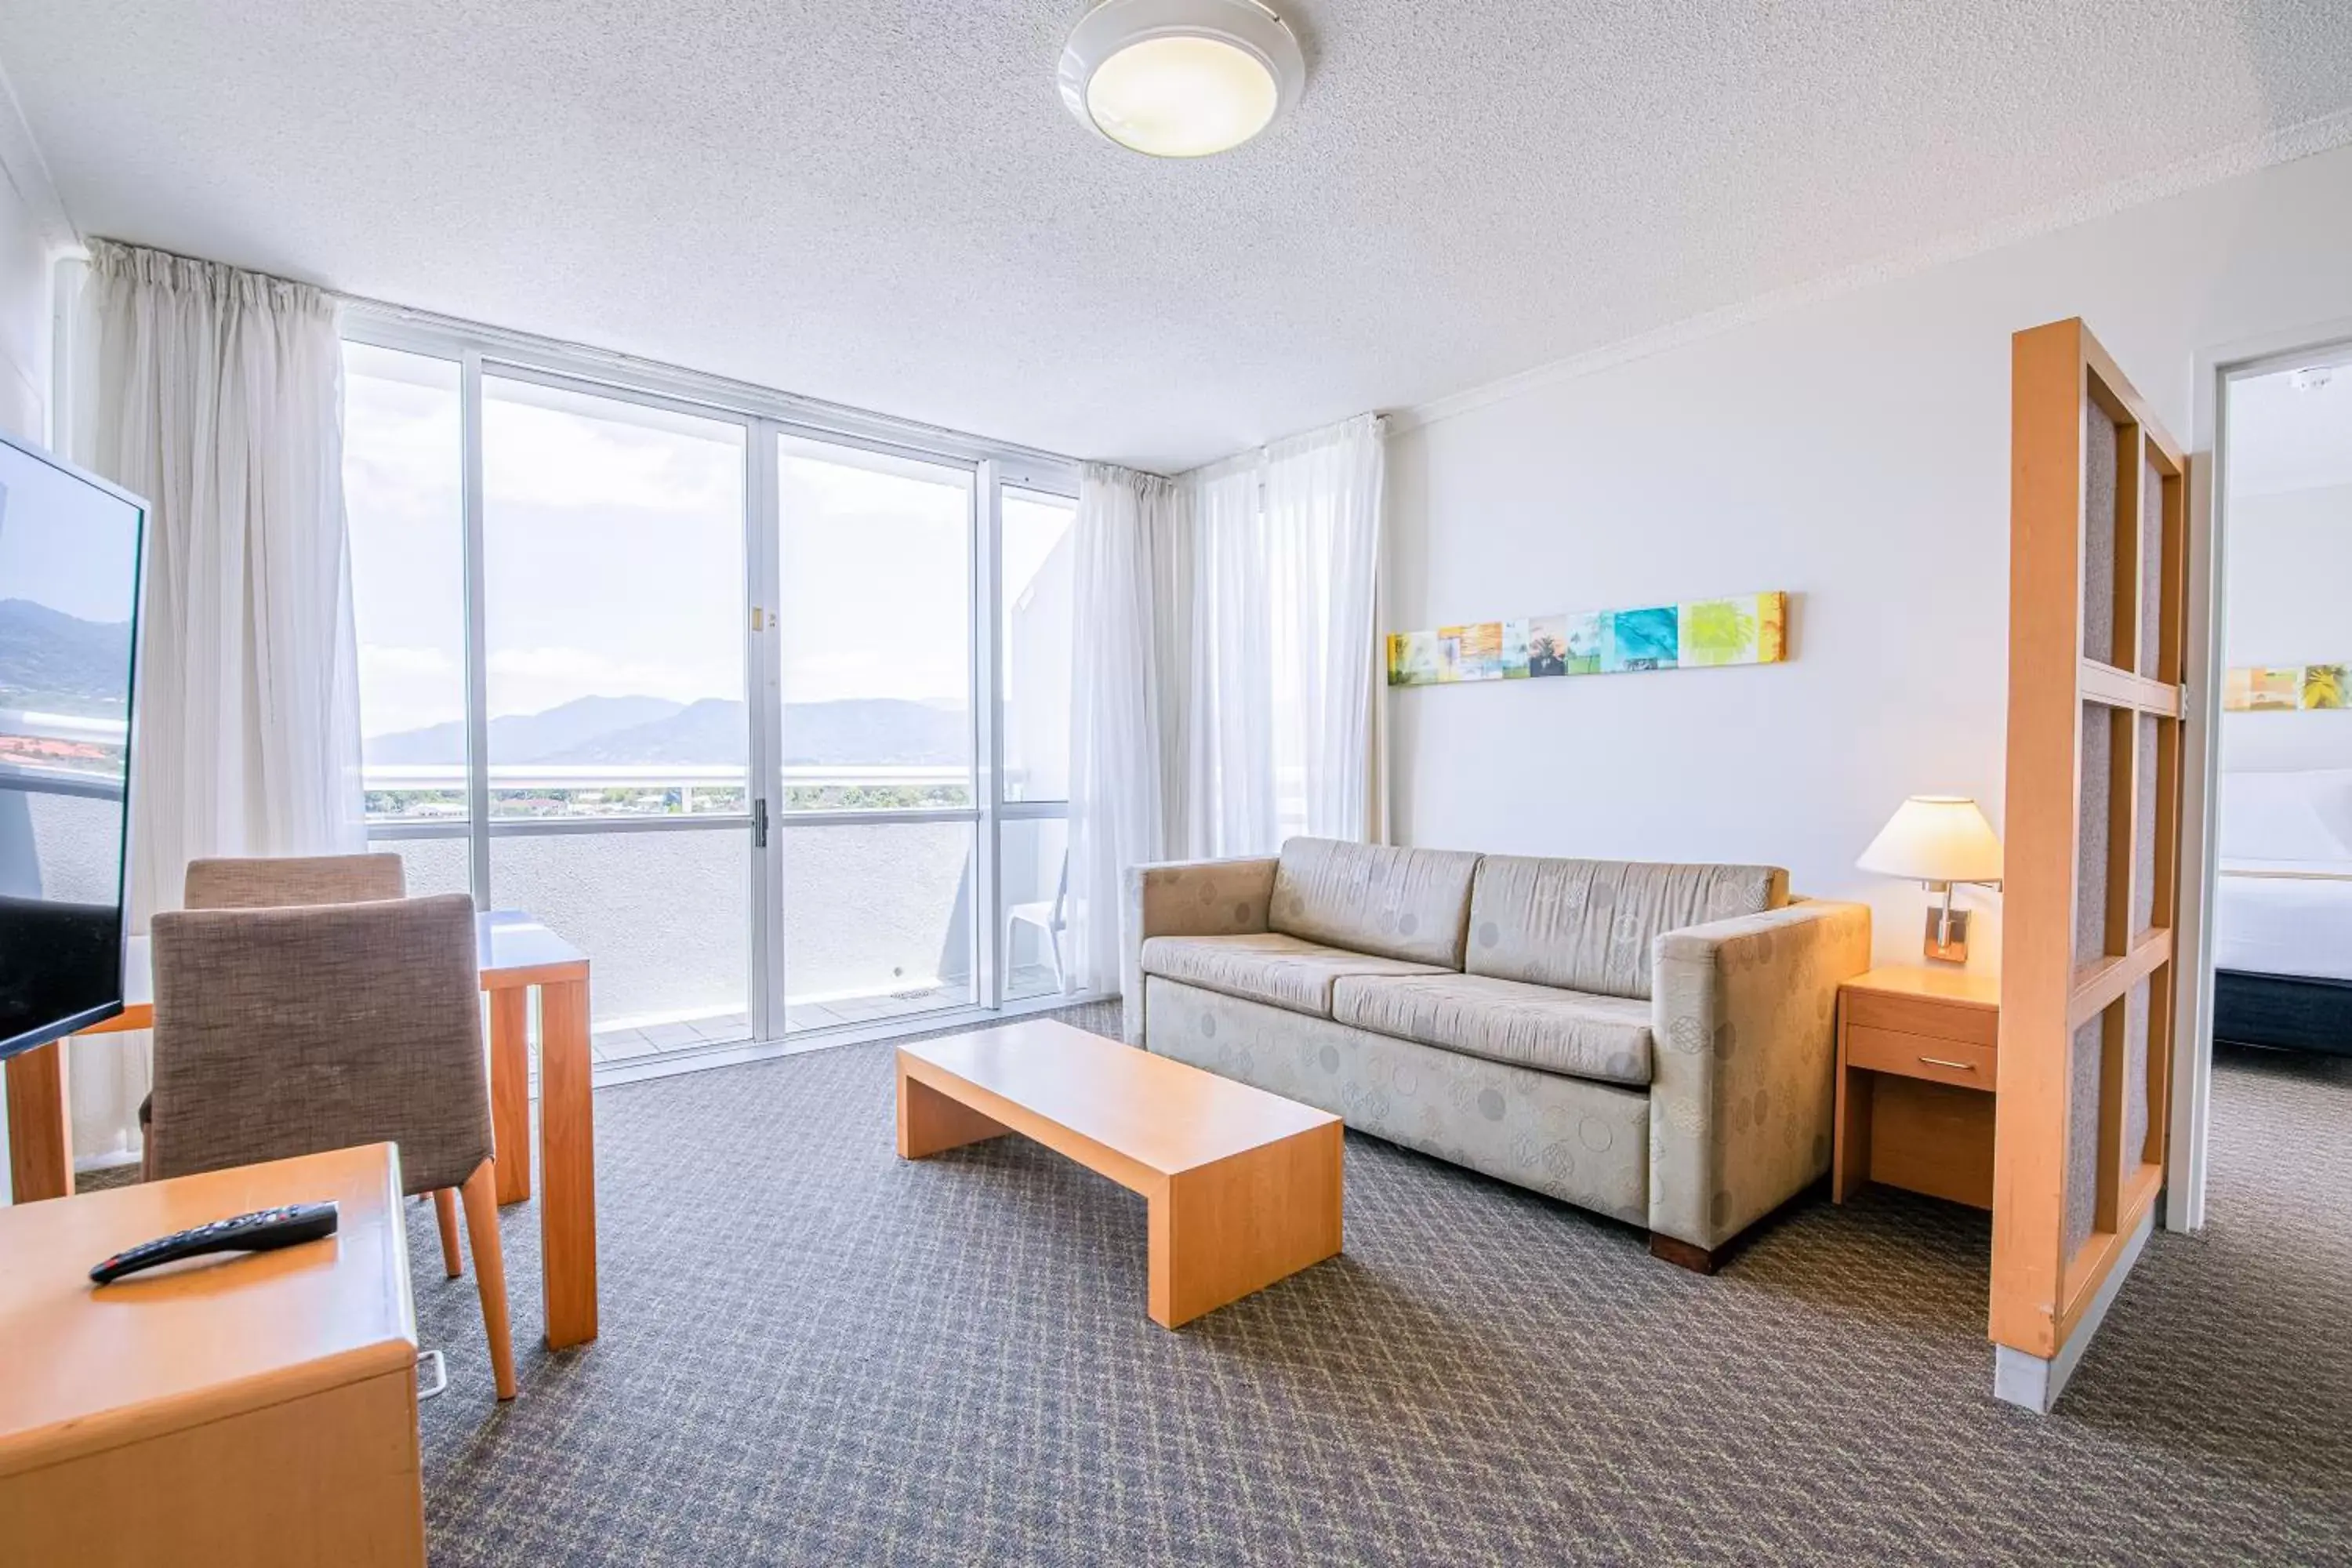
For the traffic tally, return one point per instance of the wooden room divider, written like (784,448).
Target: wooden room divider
(2098,550)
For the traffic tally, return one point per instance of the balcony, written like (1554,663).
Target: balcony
(60,805)
(650,869)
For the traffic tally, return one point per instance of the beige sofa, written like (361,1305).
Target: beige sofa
(1657,1043)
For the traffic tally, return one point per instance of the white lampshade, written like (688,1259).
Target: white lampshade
(1935,838)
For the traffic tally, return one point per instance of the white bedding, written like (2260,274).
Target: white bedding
(2284,902)
(2279,917)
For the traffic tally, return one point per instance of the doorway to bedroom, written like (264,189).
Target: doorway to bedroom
(2280,914)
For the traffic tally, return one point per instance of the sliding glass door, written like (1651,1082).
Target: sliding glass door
(618,733)
(1036,546)
(877,738)
(771,721)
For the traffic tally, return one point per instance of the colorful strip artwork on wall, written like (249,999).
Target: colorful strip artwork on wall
(2285,687)
(1747,628)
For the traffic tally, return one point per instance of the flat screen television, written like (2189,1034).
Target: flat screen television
(71,547)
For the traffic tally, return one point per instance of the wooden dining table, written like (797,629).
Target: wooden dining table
(518,956)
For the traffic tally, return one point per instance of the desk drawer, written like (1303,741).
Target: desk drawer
(1960,1062)
(1923,1015)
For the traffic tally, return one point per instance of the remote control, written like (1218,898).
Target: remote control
(263,1230)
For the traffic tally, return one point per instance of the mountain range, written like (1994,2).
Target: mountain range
(713,732)
(60,663)
(57,663)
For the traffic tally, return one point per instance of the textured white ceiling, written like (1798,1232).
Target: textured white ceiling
(883,203)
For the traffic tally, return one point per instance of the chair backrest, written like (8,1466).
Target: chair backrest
(277,883)
(292,1031)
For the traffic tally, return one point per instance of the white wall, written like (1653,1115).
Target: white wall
(24,318)
(1853,451)
(2287,591)
(2288,594)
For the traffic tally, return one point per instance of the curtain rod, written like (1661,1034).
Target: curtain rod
(815,411)
(1251,457)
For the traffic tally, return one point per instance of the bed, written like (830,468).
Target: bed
(2283,911)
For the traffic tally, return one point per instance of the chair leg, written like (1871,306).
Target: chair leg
(1054,939)
(444,1209)
(481,1195)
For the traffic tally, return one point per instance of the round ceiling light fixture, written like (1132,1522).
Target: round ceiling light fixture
(1181,78)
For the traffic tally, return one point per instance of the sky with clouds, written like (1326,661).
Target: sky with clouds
(614,549)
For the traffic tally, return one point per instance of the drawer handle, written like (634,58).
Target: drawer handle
(1942,1062)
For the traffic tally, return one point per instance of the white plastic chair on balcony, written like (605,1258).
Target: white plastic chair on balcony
(1048,917)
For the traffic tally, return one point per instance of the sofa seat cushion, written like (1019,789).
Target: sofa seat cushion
(1284,971)
(1571,1033)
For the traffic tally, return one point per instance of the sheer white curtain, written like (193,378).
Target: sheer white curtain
(217,394)
(1222,614)
(1126,530)
(1227,682)
(1324,499)
(1280,688)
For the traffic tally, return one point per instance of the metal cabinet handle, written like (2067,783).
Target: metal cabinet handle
(1940,1062)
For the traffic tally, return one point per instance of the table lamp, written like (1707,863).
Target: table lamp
(1939,839)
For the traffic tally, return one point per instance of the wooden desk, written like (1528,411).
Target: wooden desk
(1916,1082)
(1244,1186)
(255,1409)
(518,954)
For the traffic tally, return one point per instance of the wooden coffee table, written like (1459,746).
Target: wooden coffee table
(1244,1185)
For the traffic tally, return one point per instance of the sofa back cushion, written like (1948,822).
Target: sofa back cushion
(1412,904)
(1588,925)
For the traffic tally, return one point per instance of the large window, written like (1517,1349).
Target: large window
(1037,644)
(403,481)
(1034,655)
(879,733)
(613,572)
(875,618)
(612,565)
(711,694)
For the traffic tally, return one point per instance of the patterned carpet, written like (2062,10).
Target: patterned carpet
(815,1354)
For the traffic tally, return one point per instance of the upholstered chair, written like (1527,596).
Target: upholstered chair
(283,881)
(287,1031)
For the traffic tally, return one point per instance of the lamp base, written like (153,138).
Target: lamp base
(1946,943)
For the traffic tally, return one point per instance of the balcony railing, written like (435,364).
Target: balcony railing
(877,920)
(409,795)
(62,754)
(645,866)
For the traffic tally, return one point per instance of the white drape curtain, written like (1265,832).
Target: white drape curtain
(1227,678)
(1324,499)
(1126,521)
(217,394)
(1280,686)
(1227,683)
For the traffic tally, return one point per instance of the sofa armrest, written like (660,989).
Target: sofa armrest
(1185,898)
(1743,1083)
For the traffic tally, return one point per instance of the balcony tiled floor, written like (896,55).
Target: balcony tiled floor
(621,1045)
